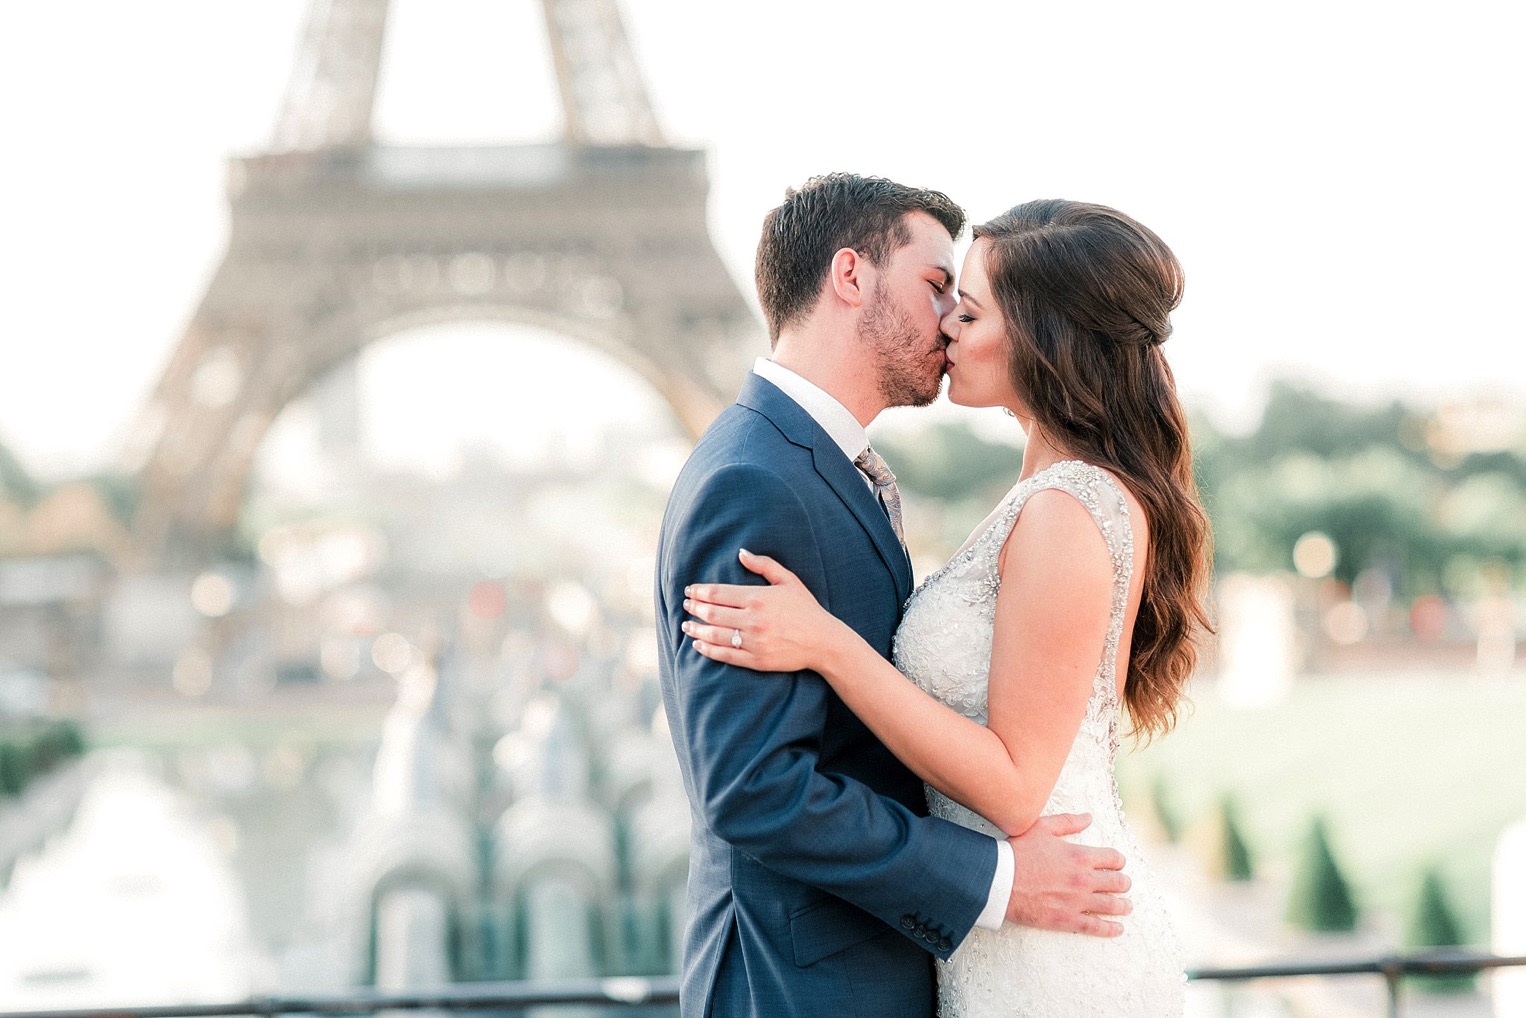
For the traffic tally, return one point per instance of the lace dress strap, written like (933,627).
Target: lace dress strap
(1102,496)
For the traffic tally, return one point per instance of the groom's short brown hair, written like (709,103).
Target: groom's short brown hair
(825,215)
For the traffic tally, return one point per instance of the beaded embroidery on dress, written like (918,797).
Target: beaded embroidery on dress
(944,645)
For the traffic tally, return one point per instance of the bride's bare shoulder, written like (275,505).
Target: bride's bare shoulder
(1055,528)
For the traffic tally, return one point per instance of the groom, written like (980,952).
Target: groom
(818,885)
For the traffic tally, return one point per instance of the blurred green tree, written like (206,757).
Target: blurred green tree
(1164,808)
(1378,480)
(1372,480)
(15,765)
(949,462)
(1320,899)
(1433,922)
(1234,862)
(1297,419)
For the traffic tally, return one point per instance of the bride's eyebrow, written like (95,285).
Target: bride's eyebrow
(965,295)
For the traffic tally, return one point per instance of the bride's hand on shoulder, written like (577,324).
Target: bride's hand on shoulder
(777,628)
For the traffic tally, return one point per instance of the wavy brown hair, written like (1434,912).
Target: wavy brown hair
(1086,295)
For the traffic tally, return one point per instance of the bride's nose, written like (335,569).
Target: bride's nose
(950,325)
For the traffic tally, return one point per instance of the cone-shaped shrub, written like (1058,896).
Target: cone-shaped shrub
(46,750)
(1165,809)
(1321,898)
(15,766)
(1235,861)
(1433,922)
(71,738)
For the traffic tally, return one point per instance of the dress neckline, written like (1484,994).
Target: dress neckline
(985,525)
(984,528)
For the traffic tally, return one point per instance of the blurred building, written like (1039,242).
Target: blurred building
(336,241)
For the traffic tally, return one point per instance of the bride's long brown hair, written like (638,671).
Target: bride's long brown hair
(1086,295)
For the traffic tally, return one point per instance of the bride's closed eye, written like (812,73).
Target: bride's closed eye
(966,318)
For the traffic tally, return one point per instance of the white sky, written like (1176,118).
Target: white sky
(1341,180)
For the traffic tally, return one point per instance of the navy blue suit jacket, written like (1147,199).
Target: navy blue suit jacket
(817,883)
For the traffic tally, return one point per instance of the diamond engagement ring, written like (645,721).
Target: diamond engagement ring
(736,639)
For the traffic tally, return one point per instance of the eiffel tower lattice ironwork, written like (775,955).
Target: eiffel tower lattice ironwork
(336,241)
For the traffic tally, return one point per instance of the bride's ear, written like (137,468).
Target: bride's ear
(851,277)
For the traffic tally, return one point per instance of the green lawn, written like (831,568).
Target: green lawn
(1409,771)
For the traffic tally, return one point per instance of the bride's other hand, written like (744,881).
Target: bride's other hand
(783,628)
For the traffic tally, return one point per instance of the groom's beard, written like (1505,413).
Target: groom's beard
(911,371)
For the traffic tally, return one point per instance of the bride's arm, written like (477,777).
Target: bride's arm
(1051,623)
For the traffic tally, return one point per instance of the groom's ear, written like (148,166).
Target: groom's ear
(851,277)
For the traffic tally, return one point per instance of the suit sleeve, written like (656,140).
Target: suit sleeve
(753,742)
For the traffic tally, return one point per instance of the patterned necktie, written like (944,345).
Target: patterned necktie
(872,465)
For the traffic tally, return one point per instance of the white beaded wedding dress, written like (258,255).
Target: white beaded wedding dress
(944,645)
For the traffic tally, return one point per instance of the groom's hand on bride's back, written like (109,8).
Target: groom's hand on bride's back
(1059,885)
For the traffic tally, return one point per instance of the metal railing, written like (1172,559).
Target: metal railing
(622,991)
(632,991)
(1392,967)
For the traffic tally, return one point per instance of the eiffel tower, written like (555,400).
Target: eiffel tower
(336,241)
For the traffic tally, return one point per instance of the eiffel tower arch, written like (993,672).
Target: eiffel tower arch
(336,241)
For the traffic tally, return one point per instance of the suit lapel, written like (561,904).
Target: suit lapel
(835,469)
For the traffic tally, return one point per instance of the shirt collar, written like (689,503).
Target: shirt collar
(835,419)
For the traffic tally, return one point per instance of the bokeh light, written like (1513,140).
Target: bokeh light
(212,595)
(392,653)
(1315,555)
(193,673)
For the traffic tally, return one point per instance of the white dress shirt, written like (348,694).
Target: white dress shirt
(843,428)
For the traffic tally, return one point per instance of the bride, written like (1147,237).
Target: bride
(1078,598)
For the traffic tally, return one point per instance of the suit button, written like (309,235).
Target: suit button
(945,944)
(907,923)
